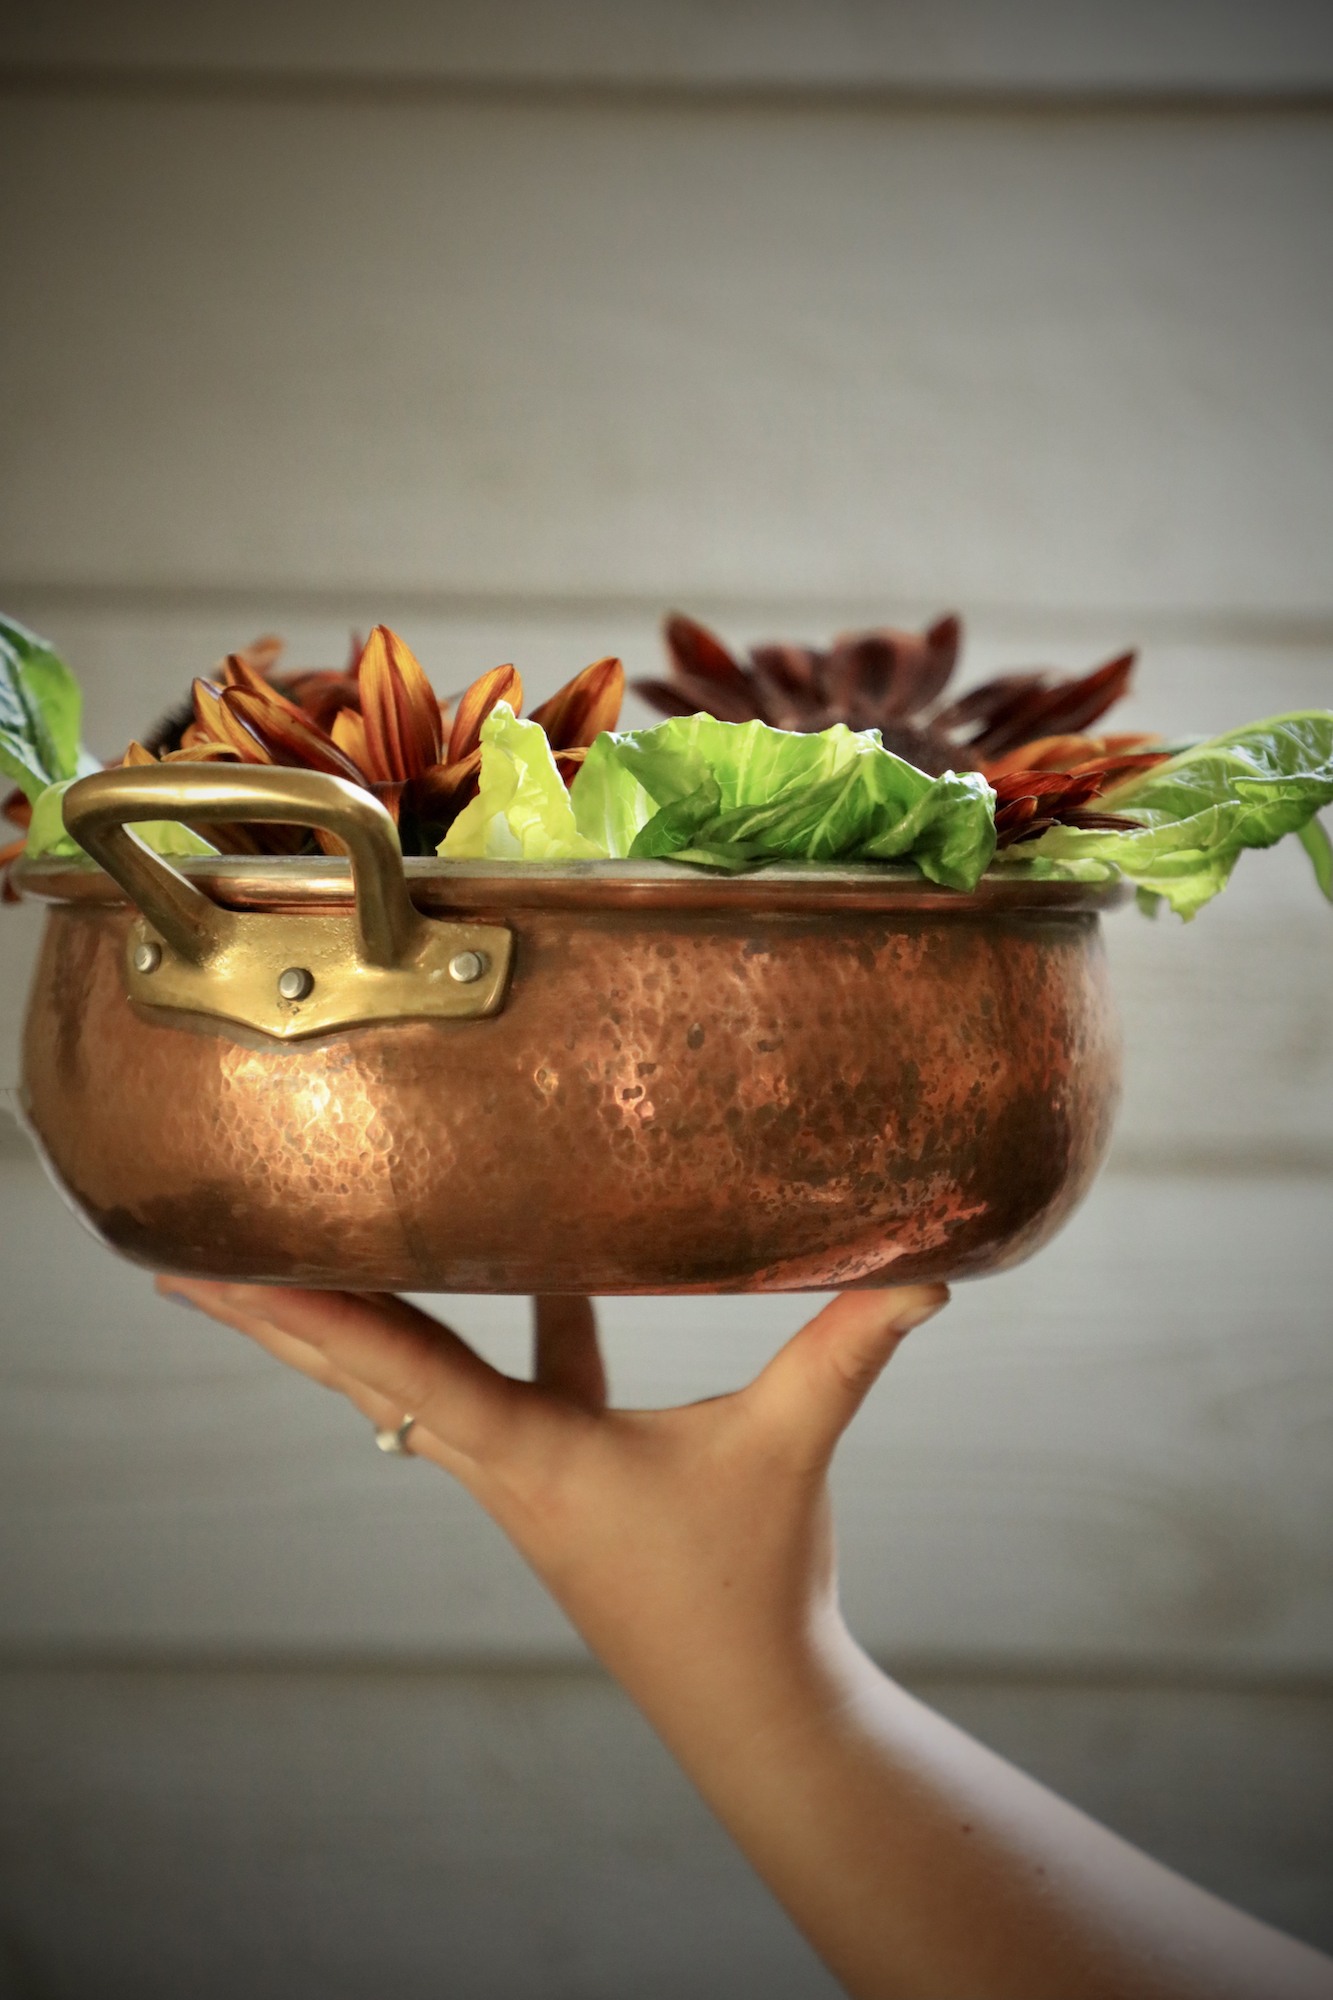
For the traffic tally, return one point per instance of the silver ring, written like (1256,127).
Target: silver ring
(395,1442)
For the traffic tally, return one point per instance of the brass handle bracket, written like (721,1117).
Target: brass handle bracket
(291,976)
(286,975)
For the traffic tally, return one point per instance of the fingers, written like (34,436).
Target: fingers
(385,1349)
(566,1360)
(813,1387)
(293,1353)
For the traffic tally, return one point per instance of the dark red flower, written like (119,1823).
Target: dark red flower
(886,680)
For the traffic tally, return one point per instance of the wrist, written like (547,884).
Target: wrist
(744,1696)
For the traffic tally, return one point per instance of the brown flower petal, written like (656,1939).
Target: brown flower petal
(883,677)
(666,697)
(283,735)
(1028,802)
(440,794)
(500,684)
(402,716)
(729,701)
(237,672)
(700,653)
(787,687)
(1046,710)
(871,680)
(994,699)
(322,694)
(584,706)
(17,808)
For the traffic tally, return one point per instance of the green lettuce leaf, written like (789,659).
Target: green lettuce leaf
(1201,810)
(40,711)
(734,795)
(47,835)
(522,811)
(1313,837)
(610,806)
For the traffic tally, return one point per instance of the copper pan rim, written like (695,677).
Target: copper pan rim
(274,882)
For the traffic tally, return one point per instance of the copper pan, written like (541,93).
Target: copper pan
(589,1077)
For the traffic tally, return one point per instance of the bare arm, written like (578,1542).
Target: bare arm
(693,1549)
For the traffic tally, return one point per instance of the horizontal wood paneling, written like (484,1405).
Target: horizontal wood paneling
(1028,44)
(513,1836)
(518,371)
(1118,1453)
(670,350)
(500,1837)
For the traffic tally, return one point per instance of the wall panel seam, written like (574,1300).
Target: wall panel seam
(1238,625)
(336,87)
(1210,1676)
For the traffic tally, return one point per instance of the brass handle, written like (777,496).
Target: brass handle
(286,975)
(97,809)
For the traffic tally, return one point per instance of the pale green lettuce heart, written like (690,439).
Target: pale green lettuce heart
(47,835)
(522,811)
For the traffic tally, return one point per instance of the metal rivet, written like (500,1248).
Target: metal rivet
(468,965)
(147,957)
(295,983)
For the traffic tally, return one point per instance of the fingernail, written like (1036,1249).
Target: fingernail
(911,1317)
(179,1299)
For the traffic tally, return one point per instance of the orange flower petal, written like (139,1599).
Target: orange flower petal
(500,684)
(584,707)
(287,739)
(402,715)
(1046,753)
(219,724)
(1067,753)
(237,672)
(199,753)
(262,653)
(349,733)
(390,797)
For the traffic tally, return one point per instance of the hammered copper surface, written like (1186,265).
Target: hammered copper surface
(672,1099)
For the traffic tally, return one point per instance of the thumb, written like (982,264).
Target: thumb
(813,1387)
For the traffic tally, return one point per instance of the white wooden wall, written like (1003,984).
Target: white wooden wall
(514,326)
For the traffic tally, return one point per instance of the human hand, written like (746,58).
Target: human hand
(692,1547)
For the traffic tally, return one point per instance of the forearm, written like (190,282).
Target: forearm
(693,1548)
(919,1864)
